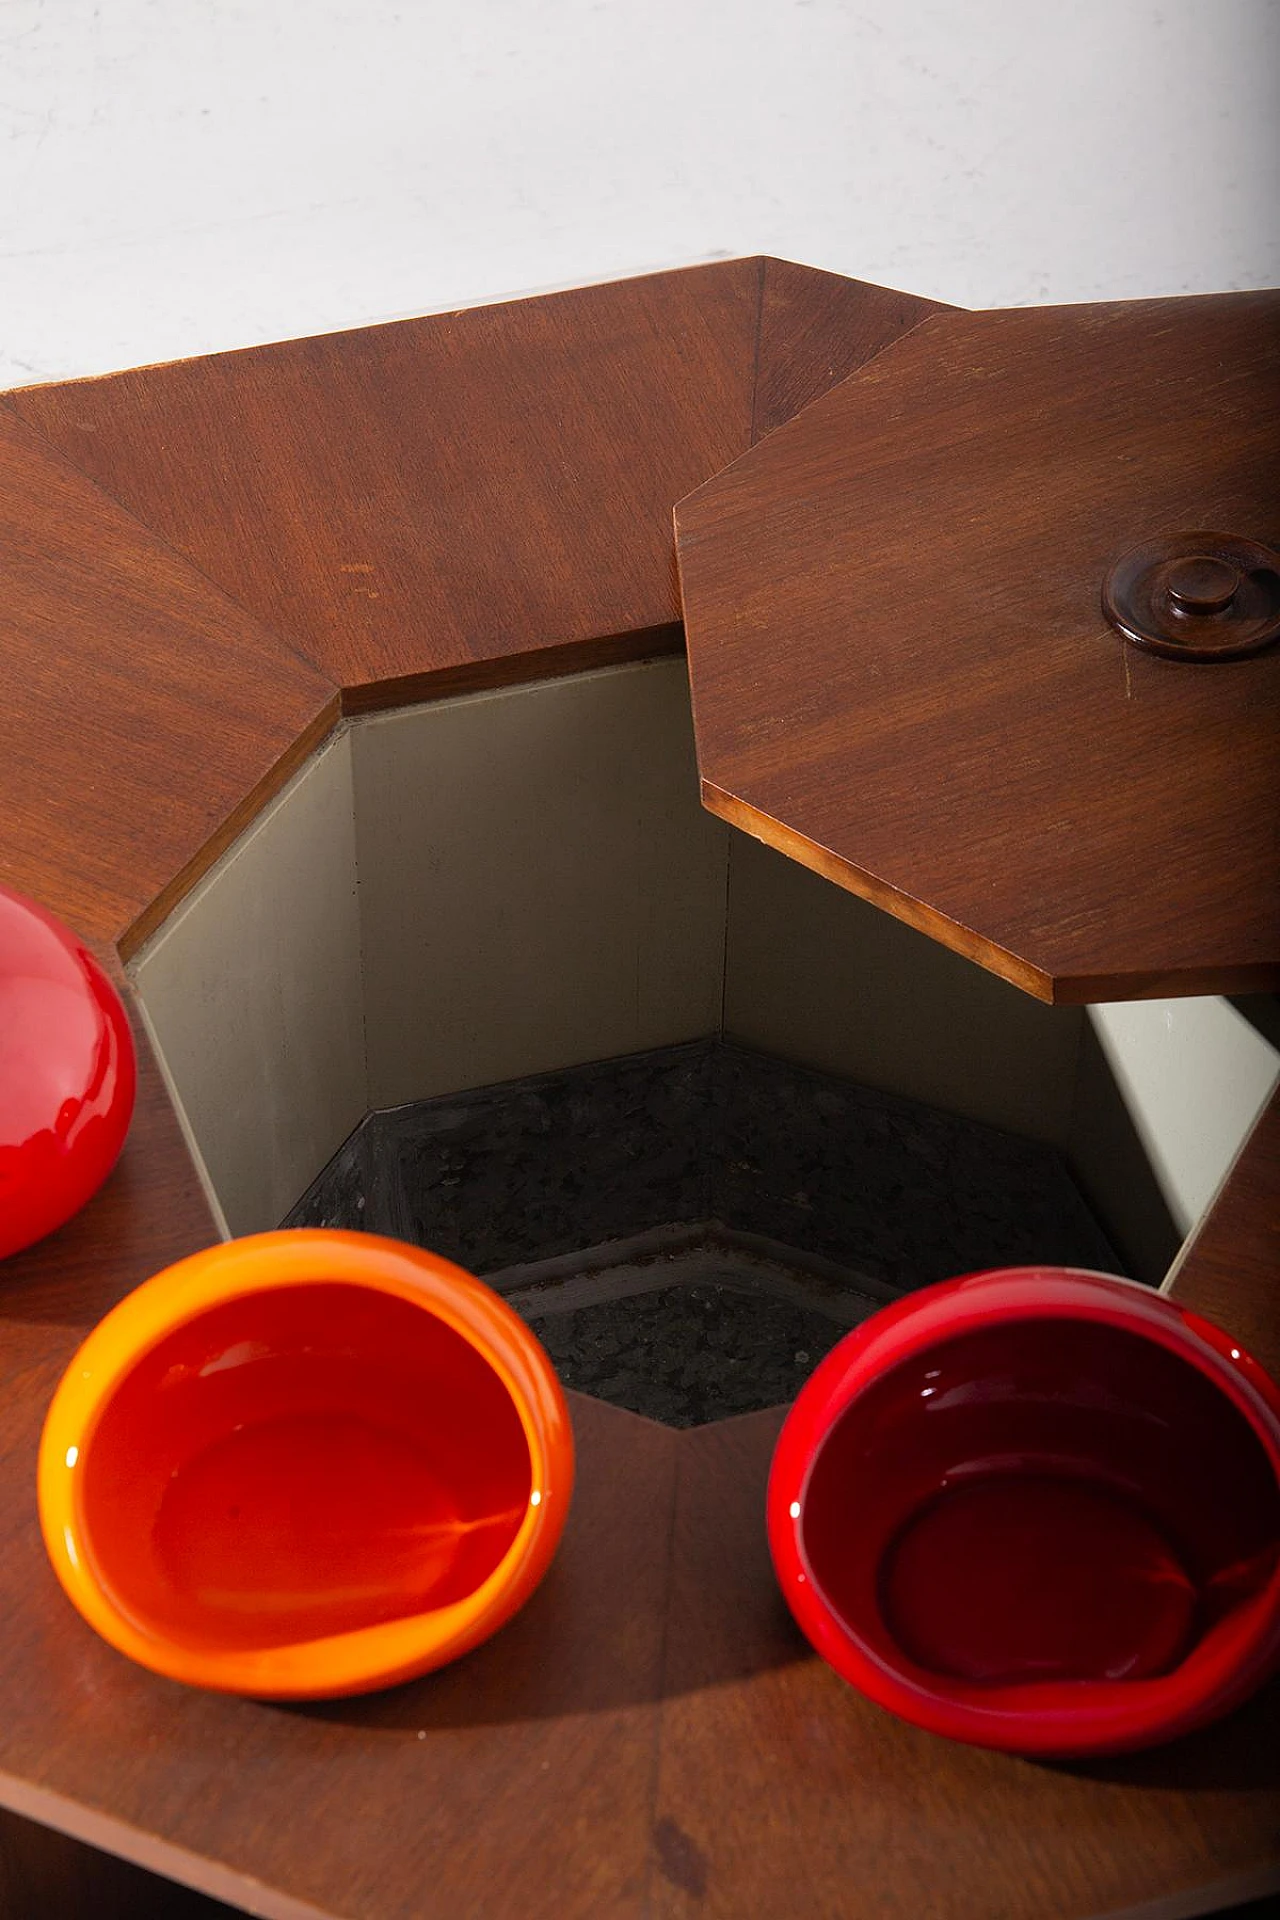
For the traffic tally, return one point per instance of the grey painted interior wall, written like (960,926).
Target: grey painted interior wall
(252,992)
(816,974)
(467,891)
(538,885)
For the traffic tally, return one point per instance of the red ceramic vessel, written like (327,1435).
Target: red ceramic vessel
(303,1464)
(67,1073)
(1037,1510)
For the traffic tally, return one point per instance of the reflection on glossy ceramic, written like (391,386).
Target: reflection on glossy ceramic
(1036,1510)
(305,1463)
(66,1073)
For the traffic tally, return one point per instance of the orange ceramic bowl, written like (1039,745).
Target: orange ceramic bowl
(304,1464)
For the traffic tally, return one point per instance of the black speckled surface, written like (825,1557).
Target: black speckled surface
(690,1353)
(564,1161)
(713,1133)
(906,1192)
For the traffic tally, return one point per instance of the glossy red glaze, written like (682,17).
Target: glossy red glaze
(1036,1510)
(67,1073)
(304,1463)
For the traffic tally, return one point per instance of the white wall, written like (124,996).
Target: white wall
(180,177)
(1194,1075)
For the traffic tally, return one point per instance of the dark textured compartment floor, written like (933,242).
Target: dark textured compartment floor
(688,1354)
(883,1193)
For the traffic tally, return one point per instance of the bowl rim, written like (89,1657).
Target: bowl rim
(1056,1718)
(359,1659)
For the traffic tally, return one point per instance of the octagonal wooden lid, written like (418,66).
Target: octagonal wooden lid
(904,675)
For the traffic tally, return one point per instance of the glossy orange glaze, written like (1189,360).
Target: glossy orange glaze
(305,1463)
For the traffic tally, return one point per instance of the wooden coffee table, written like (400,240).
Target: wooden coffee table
(203,568)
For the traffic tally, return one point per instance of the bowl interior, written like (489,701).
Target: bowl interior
(1041,1501)
(301,1462)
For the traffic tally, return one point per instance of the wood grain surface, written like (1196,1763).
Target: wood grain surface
(649,1737)
(145,717)
(815,330)
(44,1873)
(903,677)
(516,1783)
(413,498)
(1231,1269)
(438,502)
(782,1791)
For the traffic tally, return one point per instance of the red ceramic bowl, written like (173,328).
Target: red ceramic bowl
(1038,1510)
(305,1463)
(66,1073)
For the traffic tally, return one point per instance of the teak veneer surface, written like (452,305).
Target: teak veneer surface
(410,499)
(515,1783)
(903,677)
(145,716)
(650,1737)
(781,1791)
(815,329)
(407,501)
(1232,1270)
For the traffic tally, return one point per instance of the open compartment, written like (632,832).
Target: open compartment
(486,976)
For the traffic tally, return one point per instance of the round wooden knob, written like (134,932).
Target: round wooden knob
(1196,596)
(1203,585)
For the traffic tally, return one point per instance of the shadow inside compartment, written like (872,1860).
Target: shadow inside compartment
(689,1230)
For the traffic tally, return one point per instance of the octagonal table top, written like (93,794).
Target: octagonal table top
(903,675)
(203,567)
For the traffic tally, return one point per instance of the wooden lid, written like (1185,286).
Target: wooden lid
(649,1736)
(904,675)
